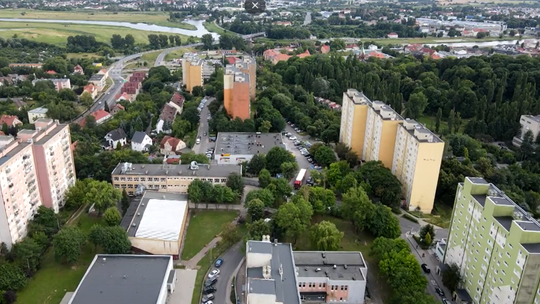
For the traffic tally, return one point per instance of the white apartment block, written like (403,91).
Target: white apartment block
(36,169)
(528,123)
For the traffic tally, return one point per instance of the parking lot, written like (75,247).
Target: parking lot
(302,159)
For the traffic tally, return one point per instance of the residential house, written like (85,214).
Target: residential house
(283,23)
(114,138)
(171,145)
(168,113)
(231,60)
(117,108)
(177,101)
(51,72)
(123,97)
(325,49)
(26,65)
(304,54)
(36,114)
(393,35)
(10,120)
(59,84)
(104,72)
(100,115)
(91,89)
(140,142)
(99,80)
(78,70)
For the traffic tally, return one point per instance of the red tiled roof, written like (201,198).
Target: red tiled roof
(304,54)
(325,48)
(178,99)
(376,55)
(129,90)
(10,120)
(231,60)
(119,106)
(124,95)
(99,114)
(171,140)
(168,113)
(51,72)
(89,88)
(427,51)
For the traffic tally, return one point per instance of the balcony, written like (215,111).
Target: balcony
(51,154)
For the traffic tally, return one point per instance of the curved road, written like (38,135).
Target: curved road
(115,73)
(231,260)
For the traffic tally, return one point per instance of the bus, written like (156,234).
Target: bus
(300,179)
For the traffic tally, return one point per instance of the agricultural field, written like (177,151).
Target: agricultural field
(157,18)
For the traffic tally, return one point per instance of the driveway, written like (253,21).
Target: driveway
(185,282)
(231,260)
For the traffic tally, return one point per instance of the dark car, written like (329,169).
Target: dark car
(439,291)
(445,301)
(426,268)
(219,262)
(209,290)
(210,282)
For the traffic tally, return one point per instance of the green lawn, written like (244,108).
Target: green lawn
(150,58)
(178,53)
(351,241)
(441,215)
(203,226)
(158,18)
(53,280)
(212,27)
(55,33)
(429,122)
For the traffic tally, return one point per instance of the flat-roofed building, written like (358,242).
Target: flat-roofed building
(157,225)
(36,114)
(528,123)
(236,92)
(126,279)
(354,110)
(381,129)
(192,74)
(239,147)
(277,274)
(136,178)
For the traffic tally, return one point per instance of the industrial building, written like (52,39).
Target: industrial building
(126,279)
(157,224)
(136,178)
(239,85)
(238,147)
(377,133)
(495,244)
(277,274)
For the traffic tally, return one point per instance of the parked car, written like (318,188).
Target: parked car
(208,297)
(445,301)
(208,302)
(209,290)
(310,160)
(292,138)
(213,274)
(219,262)
(426,268)
(205,133)
(439,291)
(210,282)
(310,182)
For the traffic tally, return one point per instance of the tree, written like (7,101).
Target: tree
(382,183)
(337,44)
(220,194)
(255,209)
(325,236)
(229,234)
(236,183)
(277,156)
(207,41)
(322,200)
(323,155)
(76,195)
(384,223)
(257,229)
(382,245)
(45,221)
(27,255)
(9,297)
(256,164)
(428,240)
(416,105)
(438,120)
(281,188)
(294,217)
(357,200)
(265,126)
(265,195)
(112,216)
(125,202)
(264,178)
(197,191)
(67,244)
(86,99)
(116,240)
(451,277)
(103,195)
(96,236)
(427,229)
(129,40)
(289,169)
(481,35)
(11,277)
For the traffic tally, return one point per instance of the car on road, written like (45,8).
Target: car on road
(210,282)
(292,138)
(208,297)
(205,133)
(309,160)
(99,102)
(439,291)
(208,302)
(214,273)
(209,290)
(218,263)
(445,301)
(198,141)
(425,268)
(209,156)
(310,181)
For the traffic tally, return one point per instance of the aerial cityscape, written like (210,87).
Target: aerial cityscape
(270,152)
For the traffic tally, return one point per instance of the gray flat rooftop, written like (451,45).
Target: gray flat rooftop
(123,279)
(50,134)
(18,148)
(501,201)
(505,221)
(235,143)
(39,110)
(480,199)
(477,180)
(344,265)
(534,117)
(285,286)
(532,248)
(177,170)
(528,226)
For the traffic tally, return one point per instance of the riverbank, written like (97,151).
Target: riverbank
(57,34)
(157,18)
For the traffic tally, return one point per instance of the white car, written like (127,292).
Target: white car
(213,274)
(198,141)
(292,138)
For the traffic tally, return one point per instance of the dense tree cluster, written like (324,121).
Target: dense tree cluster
(162,41)
(204,191)
(83,44)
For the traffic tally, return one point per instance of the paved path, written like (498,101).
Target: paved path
(192,263)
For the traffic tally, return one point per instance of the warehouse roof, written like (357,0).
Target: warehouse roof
(247,142)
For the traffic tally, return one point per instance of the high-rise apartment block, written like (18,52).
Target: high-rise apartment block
(192,74)
(36,169)
(413,153)
(495,244)
(239,87)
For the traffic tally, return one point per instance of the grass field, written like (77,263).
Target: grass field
(53,280)
(54,33)
(212,27)
(203,227)
(429,122)
(83,55)
(150,58)
(351,242)
(442,215)
(178,53)
(158,18)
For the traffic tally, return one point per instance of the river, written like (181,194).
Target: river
(480,44)
(199,24)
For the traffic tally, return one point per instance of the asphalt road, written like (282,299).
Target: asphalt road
(300,159)
(231,260)
(203,127)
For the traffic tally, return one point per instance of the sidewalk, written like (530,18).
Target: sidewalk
(192,263)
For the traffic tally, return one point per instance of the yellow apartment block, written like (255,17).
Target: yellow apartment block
(192,71)
(417,162)
(380,135)
(354,109)
(413,153)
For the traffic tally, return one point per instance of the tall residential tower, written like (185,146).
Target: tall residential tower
(239,85)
